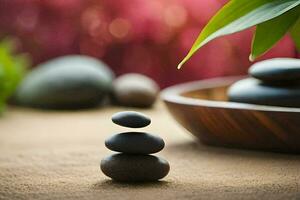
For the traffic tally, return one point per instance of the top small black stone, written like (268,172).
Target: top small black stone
(278,69)
(131,119)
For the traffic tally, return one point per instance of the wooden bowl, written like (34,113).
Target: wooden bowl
(202,108)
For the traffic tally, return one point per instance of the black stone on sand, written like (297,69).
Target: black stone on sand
(134,164)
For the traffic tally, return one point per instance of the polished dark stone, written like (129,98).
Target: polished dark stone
(68,82)
(135,90)
(276,70)
(254,91)
(134,168)
(131,119)
(135,143)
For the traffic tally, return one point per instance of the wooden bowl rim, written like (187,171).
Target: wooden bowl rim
(174,94)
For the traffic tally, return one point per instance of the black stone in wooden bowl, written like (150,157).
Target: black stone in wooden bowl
(274,82)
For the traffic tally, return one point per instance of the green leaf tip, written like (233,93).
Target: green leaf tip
(252,58)
(179,65)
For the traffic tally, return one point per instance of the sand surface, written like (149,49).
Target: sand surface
(56,155)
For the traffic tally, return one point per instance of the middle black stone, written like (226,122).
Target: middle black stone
(135,143)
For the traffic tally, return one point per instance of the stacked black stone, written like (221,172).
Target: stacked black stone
(274,82)
(133,163)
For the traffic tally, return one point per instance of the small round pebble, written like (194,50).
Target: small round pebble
(254,91)
(134,168)
(135,143)
(277,69)
(135,90)
(131,119)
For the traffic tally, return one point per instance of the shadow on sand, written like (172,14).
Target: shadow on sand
(110,184)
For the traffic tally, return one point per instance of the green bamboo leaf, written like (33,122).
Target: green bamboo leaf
(295,33)
(270,32)
(238,15)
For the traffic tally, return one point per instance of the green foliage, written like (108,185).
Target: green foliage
(269,32)
(272,17)
(295,33)
(12,68)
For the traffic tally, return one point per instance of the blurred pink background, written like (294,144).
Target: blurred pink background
(144,36)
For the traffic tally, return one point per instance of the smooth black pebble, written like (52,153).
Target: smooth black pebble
(254,91)
(135,143)
(276,70)
(67,82)
(131,119)
(134,168)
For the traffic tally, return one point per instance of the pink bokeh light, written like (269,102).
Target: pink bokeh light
(149,37)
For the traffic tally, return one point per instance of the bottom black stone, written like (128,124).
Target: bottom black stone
(134,168)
